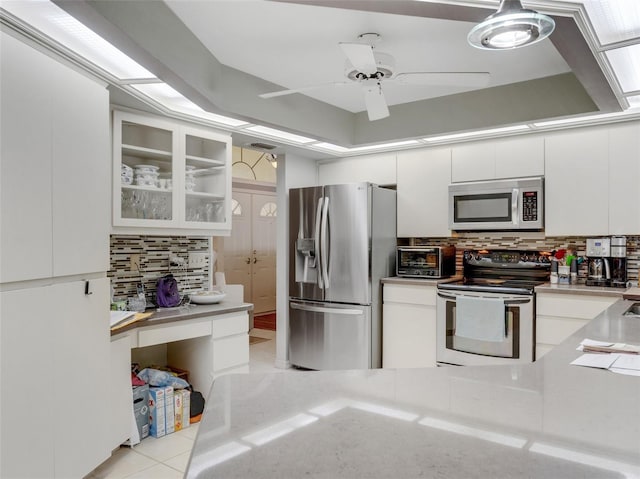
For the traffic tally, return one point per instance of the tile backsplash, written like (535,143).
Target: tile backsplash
(527,241)
(154,254)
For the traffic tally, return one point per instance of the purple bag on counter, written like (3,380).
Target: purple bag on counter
(167,295)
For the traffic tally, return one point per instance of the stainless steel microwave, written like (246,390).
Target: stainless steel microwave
(512,204)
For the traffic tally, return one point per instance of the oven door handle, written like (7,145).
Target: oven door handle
(506,301)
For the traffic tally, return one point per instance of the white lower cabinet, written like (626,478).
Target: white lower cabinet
(55,379)
(409,325)
(559,315)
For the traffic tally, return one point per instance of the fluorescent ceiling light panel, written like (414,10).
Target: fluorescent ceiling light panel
(331,147)
(504,439)
(634,101)
(69,32)
(174,100)
(385,145)
(625,62)
(282,135)
(477,133)
(614,20)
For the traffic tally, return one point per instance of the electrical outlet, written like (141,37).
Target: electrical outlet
(198,260)
(134,262)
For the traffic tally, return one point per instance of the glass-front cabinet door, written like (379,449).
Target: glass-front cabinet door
(169,176)
(206,179)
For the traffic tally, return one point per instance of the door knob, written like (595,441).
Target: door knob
(248,261)
(255,260)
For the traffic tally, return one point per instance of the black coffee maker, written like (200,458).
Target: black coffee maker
(619,261)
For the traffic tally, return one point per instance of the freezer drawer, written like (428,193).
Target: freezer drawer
(329,336)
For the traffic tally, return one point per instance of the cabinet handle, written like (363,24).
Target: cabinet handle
(86,288)
(248,261)
(255,260)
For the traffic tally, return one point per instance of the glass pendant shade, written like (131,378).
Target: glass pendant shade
(511,27)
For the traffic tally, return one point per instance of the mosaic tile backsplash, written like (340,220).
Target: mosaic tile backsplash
(528,241)
(154,254)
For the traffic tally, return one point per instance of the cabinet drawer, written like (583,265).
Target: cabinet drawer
(554,330)
(409,293)
(572,305)
(176,332)
(230,352)
(231,324)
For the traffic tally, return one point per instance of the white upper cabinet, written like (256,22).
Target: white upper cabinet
(25,162)
(81,169)
(422,193)
(377,169)
(576,183)
(169,176)
(54,168)
(506,158)
(624,179)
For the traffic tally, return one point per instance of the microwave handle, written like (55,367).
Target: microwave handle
(515,194)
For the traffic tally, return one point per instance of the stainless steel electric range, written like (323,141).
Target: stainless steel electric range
(488,317)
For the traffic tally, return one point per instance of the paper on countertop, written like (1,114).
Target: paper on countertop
(627,361)
(117,316)
(593,346)
(602,361)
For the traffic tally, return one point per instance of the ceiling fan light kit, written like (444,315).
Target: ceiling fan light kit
(512,26)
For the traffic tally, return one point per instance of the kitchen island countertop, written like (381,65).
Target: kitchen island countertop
(546,419)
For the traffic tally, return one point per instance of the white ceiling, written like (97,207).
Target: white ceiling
(297,46)
(218,56)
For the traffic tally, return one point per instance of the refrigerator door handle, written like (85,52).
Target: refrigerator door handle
(317,240)
(321,309)
(324,238)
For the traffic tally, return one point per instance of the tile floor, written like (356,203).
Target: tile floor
(167,457)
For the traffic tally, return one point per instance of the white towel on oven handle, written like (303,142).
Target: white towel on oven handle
(480,318)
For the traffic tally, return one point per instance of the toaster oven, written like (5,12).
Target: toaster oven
(426,261)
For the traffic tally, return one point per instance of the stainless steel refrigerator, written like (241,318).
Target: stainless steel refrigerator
(342,242)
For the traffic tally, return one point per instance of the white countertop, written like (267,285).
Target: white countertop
(547,419)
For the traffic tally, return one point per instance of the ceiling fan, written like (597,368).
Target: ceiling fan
(371,69)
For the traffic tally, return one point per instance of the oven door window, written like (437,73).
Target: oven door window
(494,207)
(508,348)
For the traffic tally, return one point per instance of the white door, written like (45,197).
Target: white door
(237,247)
(250,251)
(263,261)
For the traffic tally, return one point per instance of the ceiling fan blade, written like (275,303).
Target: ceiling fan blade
(361,56)
(471,79)
(375,102)
(274,94)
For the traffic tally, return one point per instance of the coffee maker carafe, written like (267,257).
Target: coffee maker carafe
(598,266)
(619,261)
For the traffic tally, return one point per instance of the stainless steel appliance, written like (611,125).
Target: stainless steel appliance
(619,261)
(488,317)
(513,204)
(598,266)
(342,242)
(424,261)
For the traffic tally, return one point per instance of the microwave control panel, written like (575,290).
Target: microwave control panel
(530,206)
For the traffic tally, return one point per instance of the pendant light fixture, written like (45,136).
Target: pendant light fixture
(512,26)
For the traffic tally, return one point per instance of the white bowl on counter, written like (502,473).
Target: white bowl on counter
(207,297)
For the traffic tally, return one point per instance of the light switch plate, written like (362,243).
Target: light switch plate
(198,260)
